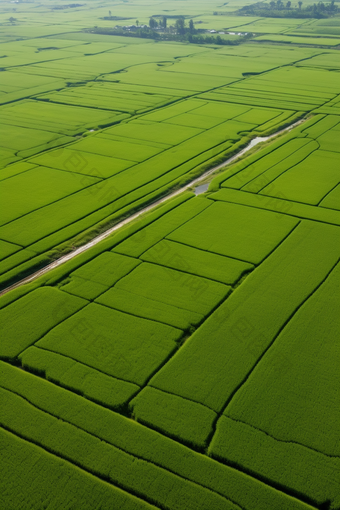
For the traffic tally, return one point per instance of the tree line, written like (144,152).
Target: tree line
(281,9)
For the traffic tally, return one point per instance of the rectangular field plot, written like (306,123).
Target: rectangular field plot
(294,468)
(125,149)
(112,342)
(181,83)
(242,233)
(7,249)
(148,236)
(39,475)
(81,162)
(289,39)
(36,188)
(260,169)
(15,169)
(174,288)
(105,95)
(154,132)
(27,141)
(332,200)
(194,261)
(174,416)
(107,268)
(278,205)
(142,306)
(57,118)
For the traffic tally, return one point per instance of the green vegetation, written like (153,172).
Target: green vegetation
(28,319)
(139,442)
(175,288)
(82,379)
(199,262)
(245,325)
(287,466)
(174,416)
(315,325)
(280,10)
(142,306)
(186,357)
(115,343)
(248,234)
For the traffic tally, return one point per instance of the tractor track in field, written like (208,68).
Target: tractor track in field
(255,141)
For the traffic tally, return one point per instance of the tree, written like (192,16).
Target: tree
(300,4)
(153,23)
(272,4)
(11,19)
(191,27)
(164,21)
(180,26)
(288,4)
(110,14)
(279,4)
(137,22)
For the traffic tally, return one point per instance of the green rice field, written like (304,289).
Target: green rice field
(166,346)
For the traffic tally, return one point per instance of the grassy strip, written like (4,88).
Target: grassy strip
(278,205)
(147,444)
(244,326)
(191,260)
(84,380)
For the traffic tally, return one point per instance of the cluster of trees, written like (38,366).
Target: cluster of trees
(282,9)
(162,32)
(179,28)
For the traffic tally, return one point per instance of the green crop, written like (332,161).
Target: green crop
(29,318)
(142,306)
(115,343)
